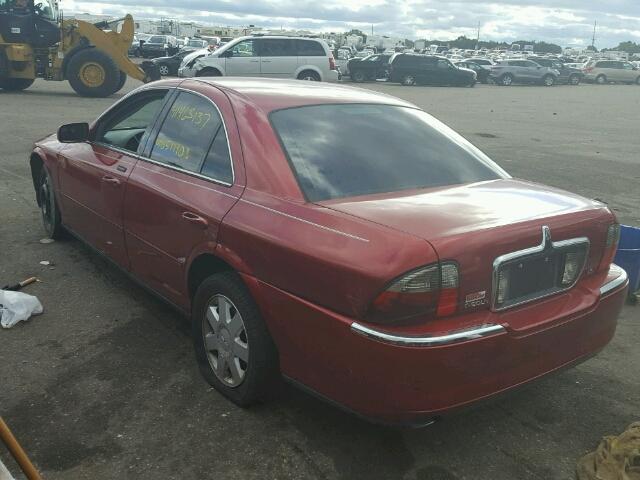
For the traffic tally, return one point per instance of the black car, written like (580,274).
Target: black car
(416,69)
(568,75)
(482,72)
(157,46)
(170,65)
(369,68)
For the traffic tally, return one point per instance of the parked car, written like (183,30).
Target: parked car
(415,276)
(138,40)
(186,68)
(170,65)
(568,75)
(482,71)
(416,69)
(508,72)
(196,44)
(481,61)
(369,68)
(605,71)
(159,46)
(273,56)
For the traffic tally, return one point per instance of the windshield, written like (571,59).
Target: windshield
(195,43)
(156,39)
(397,148)
(46,9)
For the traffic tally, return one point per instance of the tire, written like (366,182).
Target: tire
(244,339)
(548,80)
(50,212)
(601,80)
(358,76)
(638,81)
(408,80)
(15,84)
(93,73)
(574,79)
(164,70)
(309,75)
(506,80)
(121,82)
(208,72)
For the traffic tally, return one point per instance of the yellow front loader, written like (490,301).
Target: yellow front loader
(36,43)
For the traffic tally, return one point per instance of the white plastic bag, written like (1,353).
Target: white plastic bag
(16,307)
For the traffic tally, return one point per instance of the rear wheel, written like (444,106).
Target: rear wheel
(164,70)
(506,80)
(15,84)
(309,75)
(358,76)
(234,349)
(93,73)
(548,80)
(408,80)
(601,79)
(574,79)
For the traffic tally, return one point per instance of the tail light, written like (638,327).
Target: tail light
(430,291)
(332,63)
(611,245)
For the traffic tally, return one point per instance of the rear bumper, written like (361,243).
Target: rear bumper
(409,379)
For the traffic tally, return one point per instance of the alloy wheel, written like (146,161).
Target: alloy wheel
(46,203)
(164,70)
(226,341)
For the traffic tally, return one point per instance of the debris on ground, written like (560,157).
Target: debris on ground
(616,458)
(18,286)
(17,307)
(47,240)
(45,262)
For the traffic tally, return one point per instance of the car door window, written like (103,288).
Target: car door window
(193,138)
(277,47)
(442,65)
(245,48)
(627,66)
(124,127)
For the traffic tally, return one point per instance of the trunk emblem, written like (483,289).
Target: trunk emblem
(475,299)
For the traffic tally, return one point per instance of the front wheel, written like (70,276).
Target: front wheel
(164,70)
(51,218)
(601,79)
(548,80)
(15,84)
(506,80)
(93,73)
(408,80)
(234,349)
(574,79)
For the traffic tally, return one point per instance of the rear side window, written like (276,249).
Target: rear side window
(277,47)
(398,148)
(310,48)
(193,138)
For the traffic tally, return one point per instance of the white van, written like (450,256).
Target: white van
(268,56)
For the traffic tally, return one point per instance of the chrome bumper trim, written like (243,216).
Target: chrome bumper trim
(476,332)
(619,281)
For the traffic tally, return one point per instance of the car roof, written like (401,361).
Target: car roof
(270,94)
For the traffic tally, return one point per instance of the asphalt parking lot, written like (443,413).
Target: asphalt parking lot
(104,385)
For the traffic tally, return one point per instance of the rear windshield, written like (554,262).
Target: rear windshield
(348,150)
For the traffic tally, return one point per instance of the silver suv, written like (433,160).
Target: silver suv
(273,56)
(508,72)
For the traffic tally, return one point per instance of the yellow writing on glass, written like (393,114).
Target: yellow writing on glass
(179,150)
(186,113)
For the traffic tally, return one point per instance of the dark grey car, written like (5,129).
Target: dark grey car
(508,72)
(568,75)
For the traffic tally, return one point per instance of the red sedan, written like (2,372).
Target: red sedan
(338,237)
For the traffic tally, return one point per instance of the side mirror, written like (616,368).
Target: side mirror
(73,133)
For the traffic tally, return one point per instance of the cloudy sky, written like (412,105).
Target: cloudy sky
(566,22)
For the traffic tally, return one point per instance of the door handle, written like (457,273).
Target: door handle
(193,218)
(254,61)
(266,61)
(112,180)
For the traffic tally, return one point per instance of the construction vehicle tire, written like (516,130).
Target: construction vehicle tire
(93,73)
(121,82)
(15,84)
